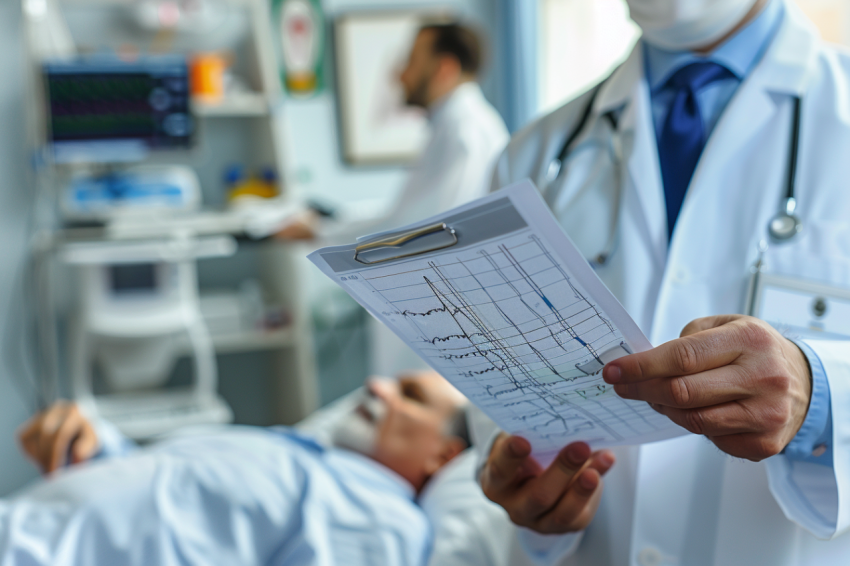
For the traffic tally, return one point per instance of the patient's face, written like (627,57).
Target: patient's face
(411,429)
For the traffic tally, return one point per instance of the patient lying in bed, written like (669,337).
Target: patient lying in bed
(239,495)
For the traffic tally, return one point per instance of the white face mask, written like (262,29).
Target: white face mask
(678,25)
(358,430)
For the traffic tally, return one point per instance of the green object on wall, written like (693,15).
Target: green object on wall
(300,32)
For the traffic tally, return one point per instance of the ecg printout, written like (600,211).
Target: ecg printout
(515,318)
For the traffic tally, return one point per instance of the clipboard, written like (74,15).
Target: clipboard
(410,243)
(495,297)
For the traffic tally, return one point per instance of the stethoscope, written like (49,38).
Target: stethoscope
(786,224)
(556,168)
(782,228)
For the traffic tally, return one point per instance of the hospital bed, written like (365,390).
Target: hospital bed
(469,530)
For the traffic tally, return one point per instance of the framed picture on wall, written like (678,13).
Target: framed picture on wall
(377,128)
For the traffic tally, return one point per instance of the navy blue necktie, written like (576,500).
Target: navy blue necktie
(683,137)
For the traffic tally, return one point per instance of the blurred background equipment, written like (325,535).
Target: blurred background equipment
(105,113)
(105,110)
(184,16)
(135,113)
(208,77)
(302,37)
(138,306)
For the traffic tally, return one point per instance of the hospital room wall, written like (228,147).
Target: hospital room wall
(15,203)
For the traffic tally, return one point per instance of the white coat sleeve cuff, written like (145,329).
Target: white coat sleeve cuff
(547,550)
(815,496)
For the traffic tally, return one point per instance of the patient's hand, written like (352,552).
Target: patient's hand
(560,499)
(56,434)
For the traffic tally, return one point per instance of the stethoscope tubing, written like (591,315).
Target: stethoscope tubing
(783,227)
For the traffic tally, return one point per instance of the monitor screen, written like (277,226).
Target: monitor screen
(107,111)
(133,277)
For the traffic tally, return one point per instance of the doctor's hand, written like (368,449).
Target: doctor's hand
(57,434)
(562,498)
(301,227)
(732,378)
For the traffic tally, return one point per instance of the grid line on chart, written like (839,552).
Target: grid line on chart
(486,315)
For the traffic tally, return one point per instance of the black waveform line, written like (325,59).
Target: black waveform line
(462,356)
(510,321)
(450,337)
(473,373)
(510,283)
(502,351)
(498,348)
(503,354)
(576,291)
(436,310)
(539,292)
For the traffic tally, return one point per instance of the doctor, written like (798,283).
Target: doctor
(728,125)
(466,136)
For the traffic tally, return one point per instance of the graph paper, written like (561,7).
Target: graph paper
(515,318)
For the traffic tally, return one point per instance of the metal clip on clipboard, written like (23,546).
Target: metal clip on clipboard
(419,241)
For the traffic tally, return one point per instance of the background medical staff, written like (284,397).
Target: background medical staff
(466,137)
(702,114)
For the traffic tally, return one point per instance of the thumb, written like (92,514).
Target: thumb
(709,322)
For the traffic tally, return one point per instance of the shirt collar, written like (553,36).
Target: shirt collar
(739,54)
(438,107)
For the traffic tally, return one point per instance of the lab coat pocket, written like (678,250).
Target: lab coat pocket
(821,254)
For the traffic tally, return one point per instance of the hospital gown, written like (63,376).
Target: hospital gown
(238,495)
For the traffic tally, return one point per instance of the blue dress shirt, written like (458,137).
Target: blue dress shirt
(813,442)
(740,54)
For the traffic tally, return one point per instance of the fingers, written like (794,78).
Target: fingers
(85,446)
(58,445)
(28,439)
(545,491)
(713,387)
(719,420)
(302,227)
(578,500)
(692,354)
(49,436)
(578,506)
(508,464)
(43,424)
(750,446)
(562,498)
(708,322)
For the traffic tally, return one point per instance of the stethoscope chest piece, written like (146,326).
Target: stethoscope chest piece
(784,227)
(786,224)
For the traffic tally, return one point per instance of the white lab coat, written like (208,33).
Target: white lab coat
(467,136)
(683,501)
